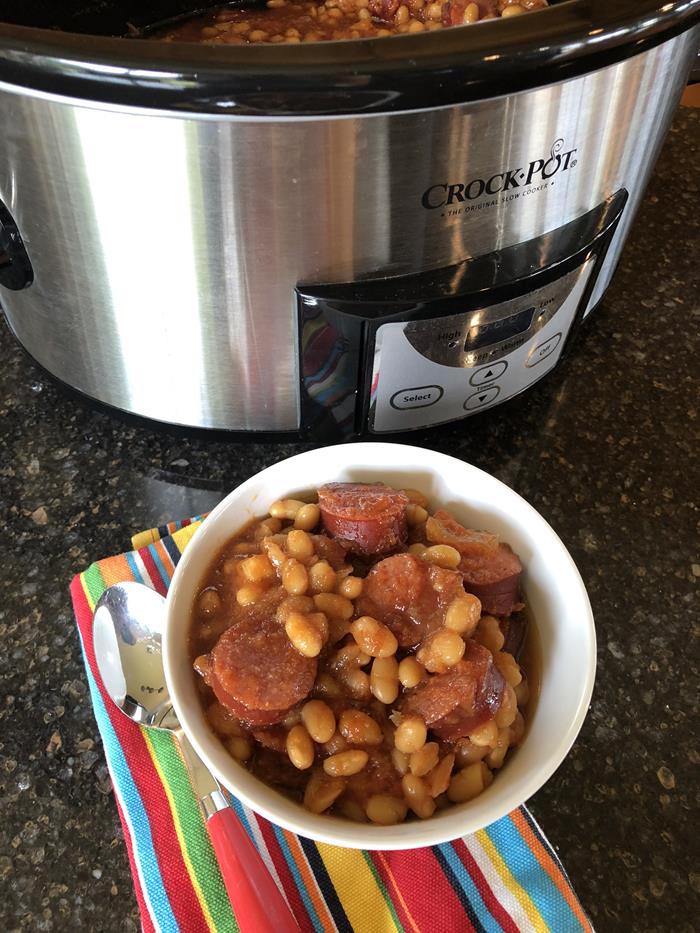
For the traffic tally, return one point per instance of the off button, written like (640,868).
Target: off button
(416,397)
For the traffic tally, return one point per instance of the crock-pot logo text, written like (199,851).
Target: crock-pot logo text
(538,171)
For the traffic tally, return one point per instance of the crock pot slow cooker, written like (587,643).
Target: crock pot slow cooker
(332,238)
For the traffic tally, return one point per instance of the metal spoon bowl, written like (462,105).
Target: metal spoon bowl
(127,630)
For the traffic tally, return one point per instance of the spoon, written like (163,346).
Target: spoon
(127,627)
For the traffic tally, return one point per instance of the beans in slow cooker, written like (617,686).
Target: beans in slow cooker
(294,21)
(360,674)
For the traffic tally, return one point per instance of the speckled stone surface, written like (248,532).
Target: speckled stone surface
(605,448)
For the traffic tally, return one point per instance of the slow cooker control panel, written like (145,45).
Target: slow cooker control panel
(397,353)
(431,371)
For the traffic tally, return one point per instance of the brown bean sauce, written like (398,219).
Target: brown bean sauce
(271,630)
(293,21)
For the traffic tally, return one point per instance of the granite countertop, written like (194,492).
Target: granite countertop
(605,448)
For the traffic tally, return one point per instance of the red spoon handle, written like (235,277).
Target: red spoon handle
(257,902)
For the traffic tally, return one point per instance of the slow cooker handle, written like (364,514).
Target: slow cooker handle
(16,270)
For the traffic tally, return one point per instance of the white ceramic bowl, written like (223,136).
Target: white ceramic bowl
(551,583)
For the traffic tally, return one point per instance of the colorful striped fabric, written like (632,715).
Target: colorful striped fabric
(503,878)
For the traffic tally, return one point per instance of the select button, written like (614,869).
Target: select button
(417,397)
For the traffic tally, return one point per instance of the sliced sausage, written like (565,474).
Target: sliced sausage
(366,519)
(442,528)
(255,665)
(249,717)
(494,580)
(456,703)
(409,595)
(384,9)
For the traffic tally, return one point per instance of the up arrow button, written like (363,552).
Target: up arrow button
(488,373)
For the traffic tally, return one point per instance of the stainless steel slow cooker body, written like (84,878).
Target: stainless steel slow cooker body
(168,208)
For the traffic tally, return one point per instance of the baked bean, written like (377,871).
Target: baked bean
(295,577)
(439,778)
(434,12)
(335,744)
(418,549)
(509,668)
(441,650)
(416,497)
(275,554)
(307,517)
(249,594)
(508,708)
(300,748)
(444,555)
(209,602)
(517,729)
(513,9)
(467,753)
(202,664)
(322,791)
(416,514)
(350,656)
(345,764)
(496,756)
(222,721)
(471,13)
(239,746)
(334,605)
(410,672)
(303,604)
(424,759)
(384,679)
(326,686)
(319,720)
(357,682)
(303,634)
(485,735)
(374,637)
(417,796)
(258,568)
(359,728)
(463,614)
(386,810)
(293,718)
(300,544)
(410,734)
(270,526)
(522,692)
(284,508)
(399,760)
(489,634)
(352,810)
(351,587)
(467,783)
(322,578)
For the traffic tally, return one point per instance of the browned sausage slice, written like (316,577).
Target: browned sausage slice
(456,703)
(496,580)
(442,528)
(409,595)
(255,665)
(366,519)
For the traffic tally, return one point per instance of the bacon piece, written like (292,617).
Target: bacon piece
(366,519)
(443,528)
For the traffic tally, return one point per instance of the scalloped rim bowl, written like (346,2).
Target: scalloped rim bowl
(553,589)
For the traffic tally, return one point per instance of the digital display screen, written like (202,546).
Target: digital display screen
(482,335)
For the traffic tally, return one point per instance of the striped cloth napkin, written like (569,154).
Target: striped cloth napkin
(504,878)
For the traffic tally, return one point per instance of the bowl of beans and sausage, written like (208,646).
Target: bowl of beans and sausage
(379,646)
